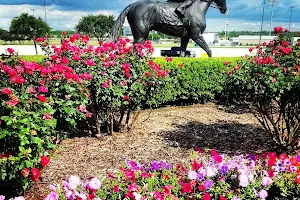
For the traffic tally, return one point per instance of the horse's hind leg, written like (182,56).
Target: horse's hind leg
(183,45)
(140,34)
(201,42)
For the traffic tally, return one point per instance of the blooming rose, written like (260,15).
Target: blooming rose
(6,91)
(42,99)
(44,160)
(35,174)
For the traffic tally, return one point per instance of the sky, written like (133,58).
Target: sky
(243,15)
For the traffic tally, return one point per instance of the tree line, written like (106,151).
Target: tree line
(28,27)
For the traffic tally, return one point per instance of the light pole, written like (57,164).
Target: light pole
(226,24)
(291,17)
(262,21)
(45,10)
(272,2)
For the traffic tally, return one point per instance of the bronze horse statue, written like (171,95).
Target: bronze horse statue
(144,16)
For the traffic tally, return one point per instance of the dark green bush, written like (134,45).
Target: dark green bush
(192,80)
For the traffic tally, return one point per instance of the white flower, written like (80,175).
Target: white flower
(137,196)
(74,181)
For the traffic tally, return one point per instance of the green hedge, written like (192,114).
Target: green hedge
(198,81)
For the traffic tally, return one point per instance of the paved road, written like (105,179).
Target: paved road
(217,52)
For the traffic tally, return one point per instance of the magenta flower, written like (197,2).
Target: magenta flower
(52,196)
(2,197)
(43,89)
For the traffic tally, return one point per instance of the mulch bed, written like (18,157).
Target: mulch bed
(163,134)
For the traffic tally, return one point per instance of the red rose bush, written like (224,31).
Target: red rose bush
(123,77)
(32,101)
(269,81)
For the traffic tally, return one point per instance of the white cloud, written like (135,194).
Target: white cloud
(57,19)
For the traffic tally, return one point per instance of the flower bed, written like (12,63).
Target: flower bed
(207,176)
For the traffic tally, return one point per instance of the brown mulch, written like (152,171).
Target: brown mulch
(163,134)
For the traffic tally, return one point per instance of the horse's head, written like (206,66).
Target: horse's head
(221,4)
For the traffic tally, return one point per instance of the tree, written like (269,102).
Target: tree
(29,27)
(95,25)
(154,36)
(5,36)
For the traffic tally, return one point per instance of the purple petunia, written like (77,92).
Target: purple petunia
(163,164)
(208,183)
(155,166)
(224,169)
(200,176)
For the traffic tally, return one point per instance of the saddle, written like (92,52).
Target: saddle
(168,15)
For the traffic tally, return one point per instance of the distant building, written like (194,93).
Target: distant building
(127,31)
(252,39)
(211,38)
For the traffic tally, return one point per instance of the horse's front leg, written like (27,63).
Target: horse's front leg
(183,45)
(201,42)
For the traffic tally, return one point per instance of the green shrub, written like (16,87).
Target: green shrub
(192,80)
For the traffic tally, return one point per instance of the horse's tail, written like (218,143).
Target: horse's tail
(117,27)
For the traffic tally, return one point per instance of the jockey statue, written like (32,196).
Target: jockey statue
(180,10)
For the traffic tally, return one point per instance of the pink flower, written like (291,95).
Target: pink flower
(263,194)
(47,116)
(44,161)
(126,98)
(105,85)
(116,189)
(38,40)
(88,115)
(266,181)
(43,89)
(278,29)
(17,80)
(42,99)
(6,91)
(52,196)
(82,108)
(94,184)
(243,178)
(76,57)
(85,39)
(167,190)
(31,90)
(169,59)
(133,188)
(12,102)
(11,51)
